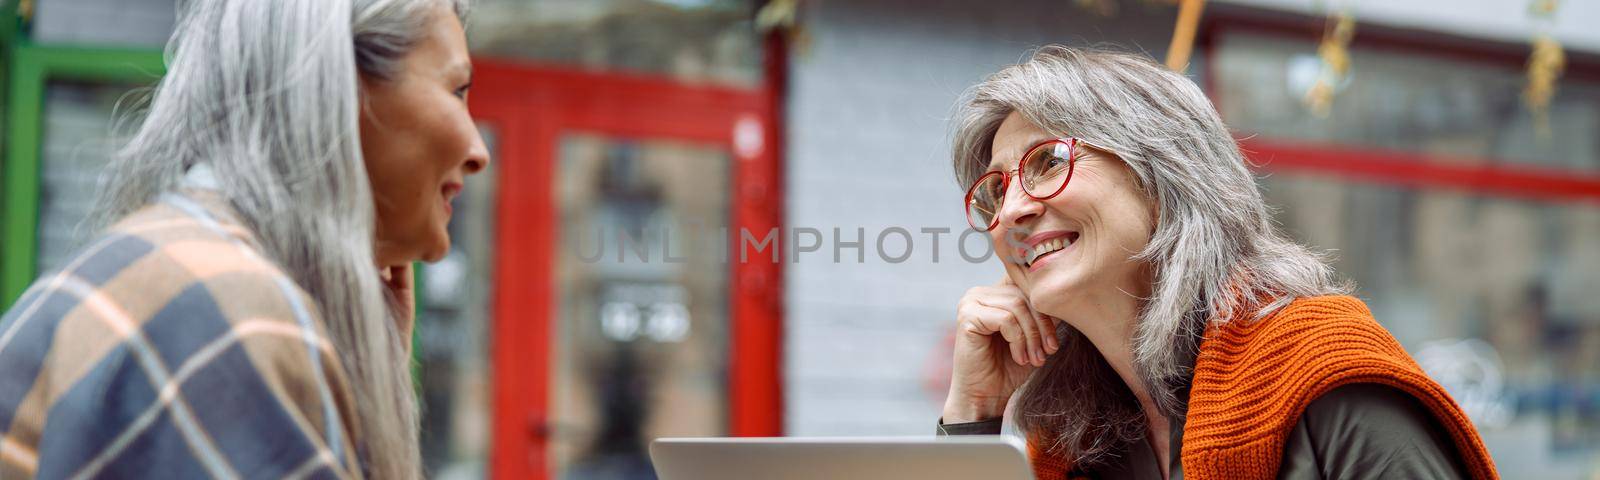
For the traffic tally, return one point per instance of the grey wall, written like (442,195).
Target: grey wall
(868,147)
(121,23)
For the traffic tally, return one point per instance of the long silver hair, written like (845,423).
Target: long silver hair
(267,93)
(1215,254)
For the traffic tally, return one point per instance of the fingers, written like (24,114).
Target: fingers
(1027,321)
(1047,333)
(398,280)
(1048,343)
(398,276)
(1003,308)
(1046,324)
(986,320)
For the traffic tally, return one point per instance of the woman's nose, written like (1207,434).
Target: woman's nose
(1018,209)
(478,154)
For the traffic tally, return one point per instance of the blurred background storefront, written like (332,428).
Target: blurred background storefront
(594,297)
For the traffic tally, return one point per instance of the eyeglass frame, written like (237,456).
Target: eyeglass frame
(1007,175)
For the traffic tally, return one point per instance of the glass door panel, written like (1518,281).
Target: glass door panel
(641,337)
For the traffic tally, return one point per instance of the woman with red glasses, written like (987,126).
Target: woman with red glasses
(1151,322)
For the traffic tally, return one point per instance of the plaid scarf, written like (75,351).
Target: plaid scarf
(171,348)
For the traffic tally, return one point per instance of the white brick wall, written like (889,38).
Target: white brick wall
(120,23)
(868,147)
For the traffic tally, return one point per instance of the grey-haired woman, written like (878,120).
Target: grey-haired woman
(247,311)
(1151,322)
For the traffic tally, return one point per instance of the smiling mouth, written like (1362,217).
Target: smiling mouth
(1048,247)
(449,192)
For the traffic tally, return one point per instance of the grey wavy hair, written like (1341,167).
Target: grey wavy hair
(267,93)
(1215,254)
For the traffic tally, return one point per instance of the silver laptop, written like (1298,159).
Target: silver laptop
(867,458)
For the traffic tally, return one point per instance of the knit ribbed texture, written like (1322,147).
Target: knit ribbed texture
(1252,381)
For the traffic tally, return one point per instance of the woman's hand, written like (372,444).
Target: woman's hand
(999,341)
(398,281)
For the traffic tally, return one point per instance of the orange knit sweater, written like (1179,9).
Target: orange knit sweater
(1252,380)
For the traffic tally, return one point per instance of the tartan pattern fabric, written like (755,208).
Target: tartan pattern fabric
(170,348)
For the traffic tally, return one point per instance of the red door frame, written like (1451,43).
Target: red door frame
(1393,167)
(530,107)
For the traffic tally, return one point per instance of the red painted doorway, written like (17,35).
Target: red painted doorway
(610,325)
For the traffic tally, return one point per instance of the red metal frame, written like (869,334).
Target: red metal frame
(531,106)
(1423,171)
(1409,169)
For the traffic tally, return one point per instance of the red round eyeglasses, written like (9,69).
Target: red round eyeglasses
(1045,169)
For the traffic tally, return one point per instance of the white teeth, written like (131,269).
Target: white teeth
(1045,247)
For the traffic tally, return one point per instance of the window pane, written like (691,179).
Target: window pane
(691,40)
(1494,297)
(77,127)
(1457,111)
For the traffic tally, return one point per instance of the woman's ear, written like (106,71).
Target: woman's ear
(364,91)
(1152,203)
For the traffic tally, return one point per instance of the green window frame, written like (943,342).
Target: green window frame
(25,70)
(28,68)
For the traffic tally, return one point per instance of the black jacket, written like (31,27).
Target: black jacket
(1361,431)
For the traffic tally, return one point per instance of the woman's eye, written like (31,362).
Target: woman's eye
(1053,164)
(461,92)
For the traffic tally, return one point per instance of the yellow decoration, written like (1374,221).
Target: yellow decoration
(1544,69)
(784,15)
(1104,8)
(1335,53)
(1183,34)
(777,14)
(1543,8)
